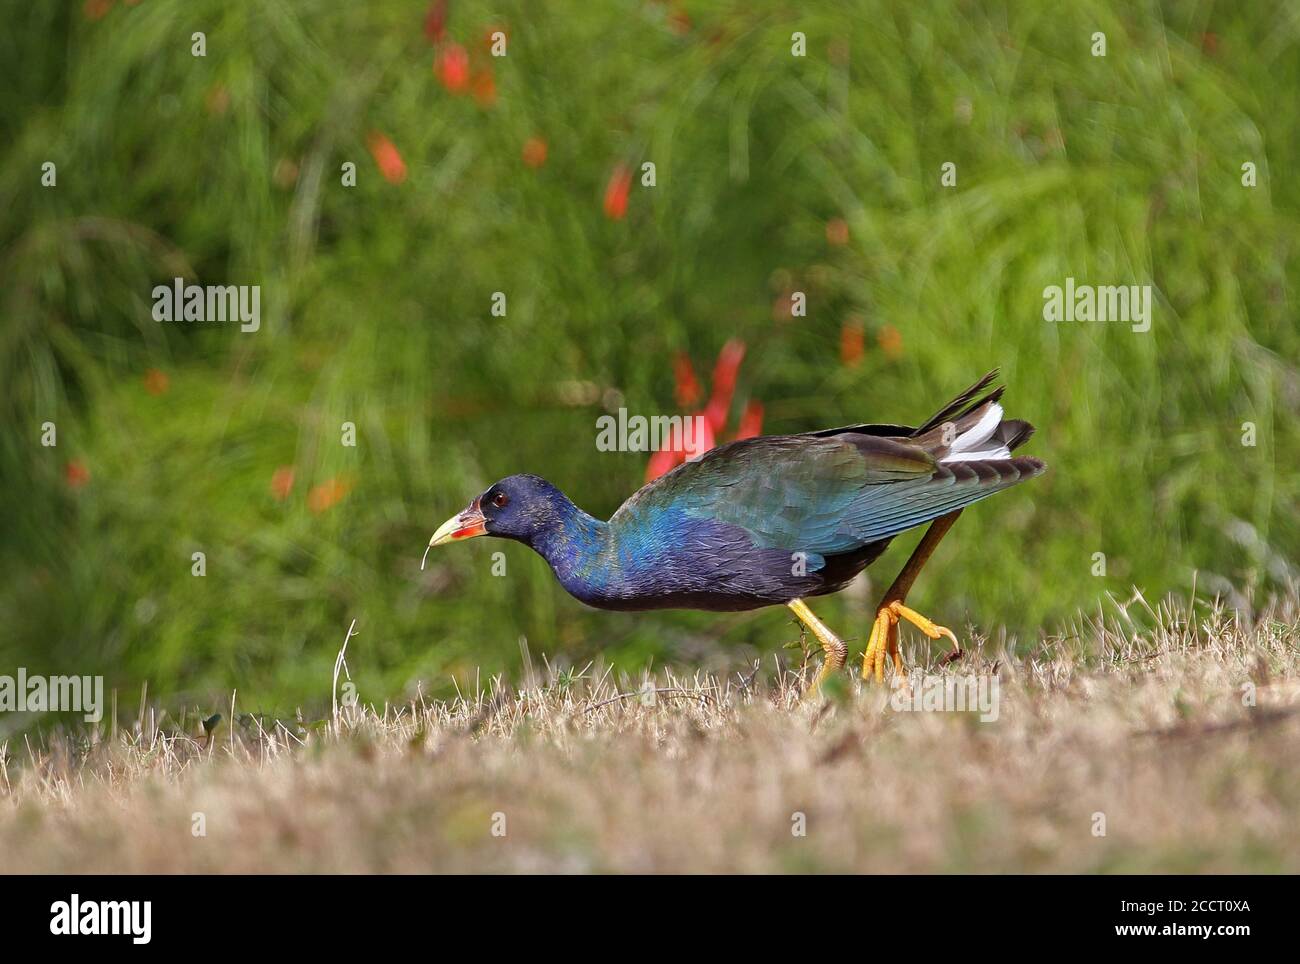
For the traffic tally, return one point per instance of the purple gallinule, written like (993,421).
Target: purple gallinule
(772,520)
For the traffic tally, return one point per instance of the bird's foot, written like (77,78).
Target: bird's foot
(883,643)
(836,652)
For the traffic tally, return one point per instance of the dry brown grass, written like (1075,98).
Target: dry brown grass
(1145,725)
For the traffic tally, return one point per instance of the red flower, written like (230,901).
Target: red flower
(686,387)
(282,482)
(435,21)
(616,191)
(707,426)
(389,159)
(837,232)
(452,68)
(156,382)
(327,495)
(852,342)
(700,439)
(484,87)
(661,462)
(76,473)
(724,383)
(96,9)
(534,152)
(751,423)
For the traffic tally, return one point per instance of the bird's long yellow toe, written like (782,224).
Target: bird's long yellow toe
(883,643)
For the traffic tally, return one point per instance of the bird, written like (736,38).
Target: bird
(773,520)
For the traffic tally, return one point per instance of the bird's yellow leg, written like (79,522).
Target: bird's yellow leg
(884,633)
(834,648)
(877,644)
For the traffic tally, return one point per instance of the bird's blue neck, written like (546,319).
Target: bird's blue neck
(573,543)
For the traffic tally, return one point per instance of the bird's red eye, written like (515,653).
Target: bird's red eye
(500,499)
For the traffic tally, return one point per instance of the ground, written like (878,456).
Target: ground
(1156,739)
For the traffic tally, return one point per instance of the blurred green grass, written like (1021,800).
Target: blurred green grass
(375,309)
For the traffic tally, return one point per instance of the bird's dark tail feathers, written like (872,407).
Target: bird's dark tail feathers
(968,429)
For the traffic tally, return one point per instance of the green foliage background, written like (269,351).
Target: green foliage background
(1114,170)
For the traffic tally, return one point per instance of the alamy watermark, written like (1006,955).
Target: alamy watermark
(637,433)
(1071,302)
(215,303)
(933,693)
(130,918)
(53,694)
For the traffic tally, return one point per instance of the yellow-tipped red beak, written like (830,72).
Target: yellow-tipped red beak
(467,525)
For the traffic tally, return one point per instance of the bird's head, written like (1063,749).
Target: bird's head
(519,507)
